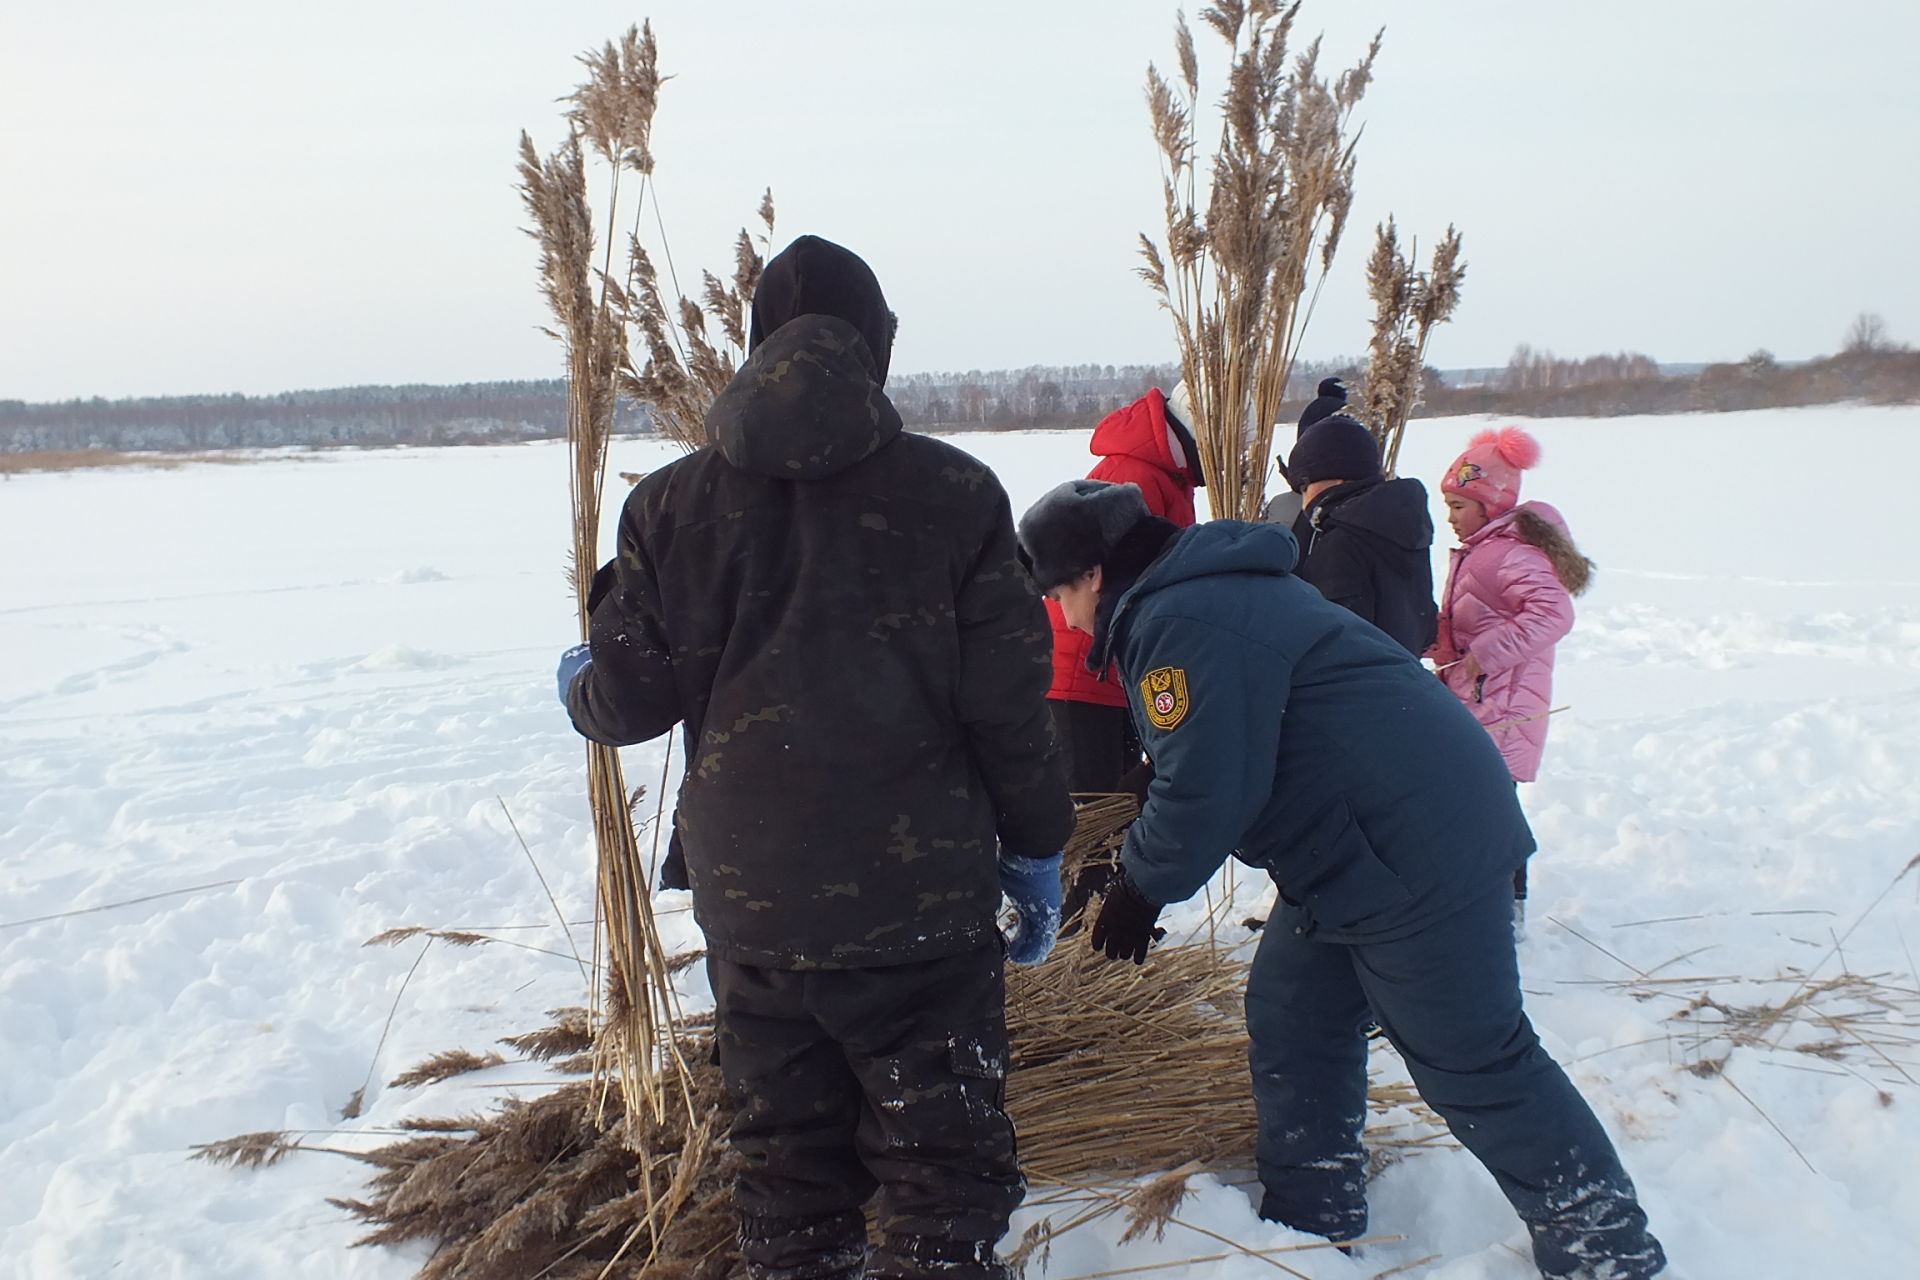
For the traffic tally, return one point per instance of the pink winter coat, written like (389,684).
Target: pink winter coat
(1505,605)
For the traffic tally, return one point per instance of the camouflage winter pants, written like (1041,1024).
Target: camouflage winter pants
(853,1082)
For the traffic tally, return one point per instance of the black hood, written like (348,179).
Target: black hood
(1395,510)
(804,405)
(812,276)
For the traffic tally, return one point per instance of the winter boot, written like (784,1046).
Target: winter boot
(1335,1225)
(817,1247)
(936,1258)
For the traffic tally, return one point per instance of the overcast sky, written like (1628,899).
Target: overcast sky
(259,196)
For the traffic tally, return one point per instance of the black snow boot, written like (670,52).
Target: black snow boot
(935,1258)
(818,1247)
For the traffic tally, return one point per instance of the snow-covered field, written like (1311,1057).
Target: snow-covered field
(307,691)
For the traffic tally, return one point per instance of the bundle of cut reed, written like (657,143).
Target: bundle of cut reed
(551,1187)
(1408,305)
(1100,822)
(611,115)
(1235,266)
(639,1010)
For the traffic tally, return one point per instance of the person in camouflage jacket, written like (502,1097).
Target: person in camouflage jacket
(835,610)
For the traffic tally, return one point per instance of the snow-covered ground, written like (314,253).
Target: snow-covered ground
(308,692)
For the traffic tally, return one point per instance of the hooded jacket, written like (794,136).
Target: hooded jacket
(1505,605)
(1136,445)
(834,609)
(1286,731)
(1367,545)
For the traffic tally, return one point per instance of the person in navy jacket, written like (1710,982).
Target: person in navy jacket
(1289,733)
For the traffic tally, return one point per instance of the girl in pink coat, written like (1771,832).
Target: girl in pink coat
(1508,600)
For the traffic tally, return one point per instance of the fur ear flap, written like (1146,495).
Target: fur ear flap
(1516,448)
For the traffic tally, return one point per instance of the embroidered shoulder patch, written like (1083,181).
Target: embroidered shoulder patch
(1164,692)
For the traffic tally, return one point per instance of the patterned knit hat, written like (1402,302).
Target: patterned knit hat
(1489,471)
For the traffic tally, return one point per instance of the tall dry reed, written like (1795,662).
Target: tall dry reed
(1245,237)
(1408,305)
(598,320)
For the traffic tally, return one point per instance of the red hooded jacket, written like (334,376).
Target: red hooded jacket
(1135,446)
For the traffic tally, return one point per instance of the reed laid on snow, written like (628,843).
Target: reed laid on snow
(563,1187)
(570,1185)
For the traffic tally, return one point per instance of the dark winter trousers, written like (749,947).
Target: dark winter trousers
(1101,750)
(1098,741)
(1449,999)
(856,1081)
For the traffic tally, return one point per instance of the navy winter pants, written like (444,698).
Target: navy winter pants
(1449,999)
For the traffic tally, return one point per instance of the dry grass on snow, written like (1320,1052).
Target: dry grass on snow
(95,459)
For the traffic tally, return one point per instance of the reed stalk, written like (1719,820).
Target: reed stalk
(611,116)
(1244,239)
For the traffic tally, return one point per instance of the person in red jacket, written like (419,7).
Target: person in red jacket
(1146,444)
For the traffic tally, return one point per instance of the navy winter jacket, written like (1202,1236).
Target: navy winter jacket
(1287,731)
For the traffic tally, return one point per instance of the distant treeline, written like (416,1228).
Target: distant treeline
(470,413)
(1538,386)
(1533,384)
(1038,397)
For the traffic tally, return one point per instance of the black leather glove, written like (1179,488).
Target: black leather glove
(1125,927)
(1136,780)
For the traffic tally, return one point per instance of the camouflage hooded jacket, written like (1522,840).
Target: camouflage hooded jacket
(834,609)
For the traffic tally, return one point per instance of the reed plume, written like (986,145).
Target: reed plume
(1237,258)
(1408,305)
(686,365)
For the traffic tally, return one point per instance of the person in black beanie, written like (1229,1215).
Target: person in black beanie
(1330,398)
(834,609)
(1284,508)
(1365,541)
(1288,733)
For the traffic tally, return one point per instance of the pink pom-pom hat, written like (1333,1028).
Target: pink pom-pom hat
(1489,471)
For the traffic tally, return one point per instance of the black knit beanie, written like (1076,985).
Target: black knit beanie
(1336,448)
(812,276)
(1332,398)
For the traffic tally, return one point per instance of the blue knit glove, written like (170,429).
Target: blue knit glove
(1032,885)
(572,663)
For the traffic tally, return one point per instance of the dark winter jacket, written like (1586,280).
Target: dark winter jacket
(1367,546)
(835,609)
(1285,730)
